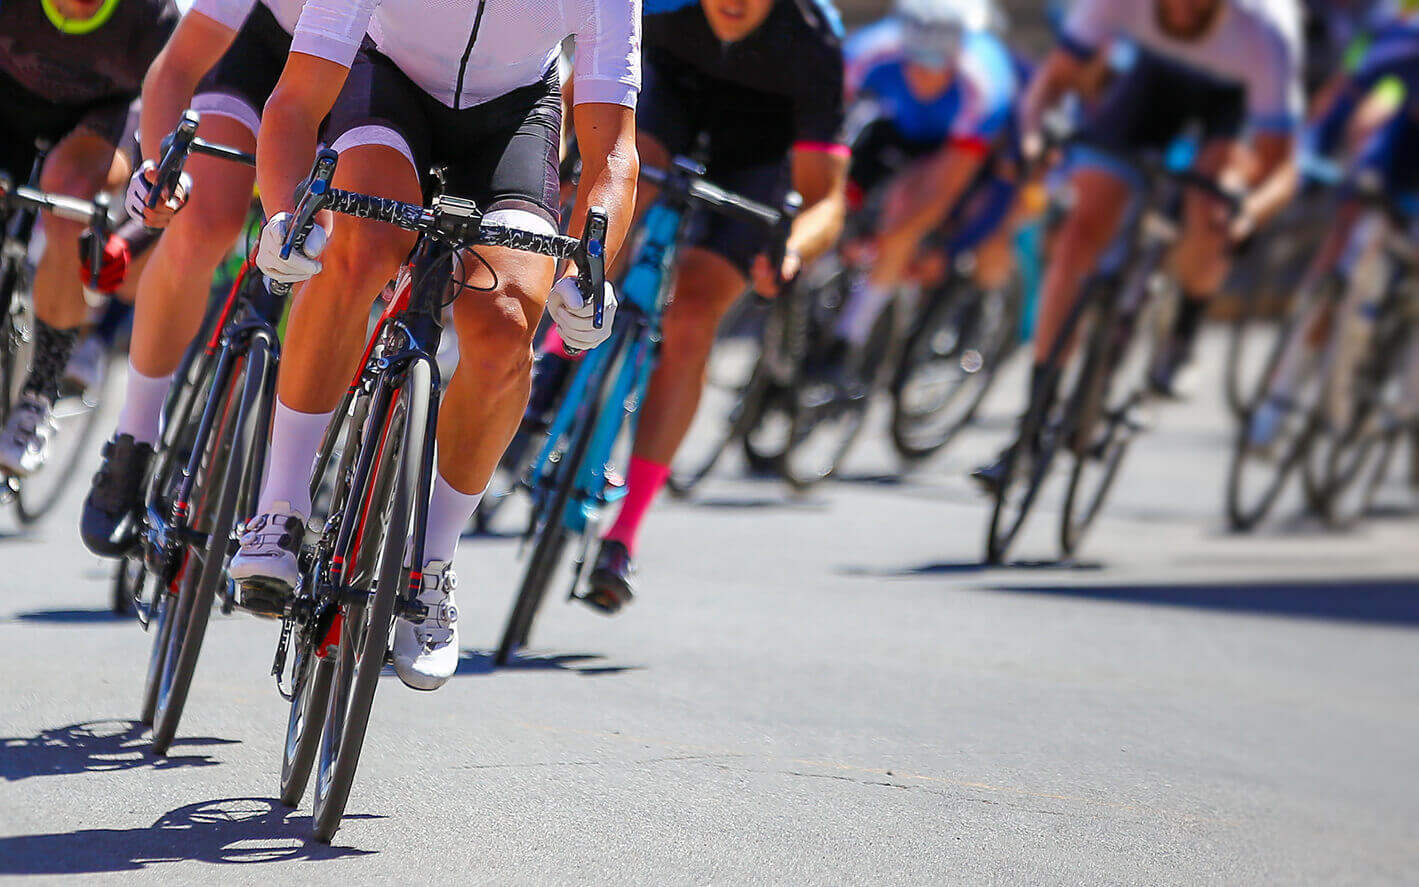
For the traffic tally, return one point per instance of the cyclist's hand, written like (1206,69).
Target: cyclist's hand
(301,264)
(140,187)
(768,281)
(113,264)
(574,318)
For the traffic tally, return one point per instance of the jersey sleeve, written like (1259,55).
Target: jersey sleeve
(231,13)
(1275,99)
(818,110)
(333,29)
(988,91)
(608,52)
(1089,26)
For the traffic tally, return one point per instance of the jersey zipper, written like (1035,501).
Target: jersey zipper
(468,51)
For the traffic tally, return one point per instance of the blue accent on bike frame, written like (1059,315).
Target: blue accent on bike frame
(641,294)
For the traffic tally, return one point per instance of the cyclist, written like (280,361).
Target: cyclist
(762,82)
(68,71)
(1385,163)
(223,61)
(943,89)
(473,87)
(1231,66)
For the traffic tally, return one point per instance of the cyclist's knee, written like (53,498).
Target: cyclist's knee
(495,337)
(360,257)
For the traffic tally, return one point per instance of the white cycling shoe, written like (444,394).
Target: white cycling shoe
(426,653)
(267,565)
(24,442)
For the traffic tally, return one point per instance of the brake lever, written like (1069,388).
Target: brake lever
(792,205)
(591,270)
(311,198)
(98,225)
(176,147)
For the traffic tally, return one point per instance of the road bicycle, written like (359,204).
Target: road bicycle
(75,412)
(378,456)
(568,478)
(1098,364)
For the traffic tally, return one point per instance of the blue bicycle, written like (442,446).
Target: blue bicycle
(568,477)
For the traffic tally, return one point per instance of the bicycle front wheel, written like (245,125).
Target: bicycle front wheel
(224,474)
(76,416)
(365,622)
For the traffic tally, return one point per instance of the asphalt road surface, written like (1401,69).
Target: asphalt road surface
(823,690)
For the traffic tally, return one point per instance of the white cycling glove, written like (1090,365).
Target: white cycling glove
(301,264)
(574,318)
(135,201)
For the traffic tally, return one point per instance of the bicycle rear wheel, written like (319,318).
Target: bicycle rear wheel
(365,622)
(949,363)
(227,456)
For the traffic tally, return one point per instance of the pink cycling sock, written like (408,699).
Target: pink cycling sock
(552,344)
(643,482)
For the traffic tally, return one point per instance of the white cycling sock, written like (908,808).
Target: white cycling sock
(143,405)
(449,512)
(864,303)
(295,441)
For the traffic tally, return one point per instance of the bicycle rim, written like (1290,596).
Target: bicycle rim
(232,442)
(365,626)
(304,722)
(160,623)
(76,417)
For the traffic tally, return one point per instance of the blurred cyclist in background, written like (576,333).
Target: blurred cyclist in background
(941,91)
(1149,70)
(69,69)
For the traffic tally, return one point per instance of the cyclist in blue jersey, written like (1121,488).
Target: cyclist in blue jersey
(942,90)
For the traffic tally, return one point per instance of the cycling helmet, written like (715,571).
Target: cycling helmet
(932,29)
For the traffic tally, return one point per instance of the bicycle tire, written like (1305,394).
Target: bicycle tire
(160,623)
(913,435)
(551,533)
(355,677)
(303,726)
(1090,406)
(1245,512)
(198,586)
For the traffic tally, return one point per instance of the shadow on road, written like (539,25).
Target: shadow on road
(480,662)
(94,747)
(1381,601)
(76,616)
(961,568)
(229,831)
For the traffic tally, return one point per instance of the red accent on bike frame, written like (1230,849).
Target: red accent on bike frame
(231,304)
(332,637)
(365,511)
(392,307)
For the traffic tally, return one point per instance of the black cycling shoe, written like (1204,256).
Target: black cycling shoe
(550,375)
(112,515)
(609,586)
(1172,375)
(992,478)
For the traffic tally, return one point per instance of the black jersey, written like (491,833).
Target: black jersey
(792,66)
(107,62)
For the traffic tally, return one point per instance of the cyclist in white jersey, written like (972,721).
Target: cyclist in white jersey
(1146,69)
(223,60)
(472,86)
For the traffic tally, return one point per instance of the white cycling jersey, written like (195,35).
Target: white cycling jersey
(467,52)
(233,13)
(1254,42)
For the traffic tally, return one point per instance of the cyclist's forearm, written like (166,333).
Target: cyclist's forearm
(817,228)
(961,168)
(610,165)
(1060,73)
(1274,179)
(284,153)
(196,45)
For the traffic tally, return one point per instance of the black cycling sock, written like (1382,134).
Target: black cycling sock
(52,348)
(1189,320)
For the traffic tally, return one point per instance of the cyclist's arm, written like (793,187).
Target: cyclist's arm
(606,136)
(1273,177)
(197,44)
(1062,72)
(820,176)
(290,126)
(962,162)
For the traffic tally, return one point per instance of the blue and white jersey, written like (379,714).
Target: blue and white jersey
(972,113)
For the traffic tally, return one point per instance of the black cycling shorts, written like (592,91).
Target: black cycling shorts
(25,118)
(691,116)
(1153,100)
(241,82)
(502,154)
